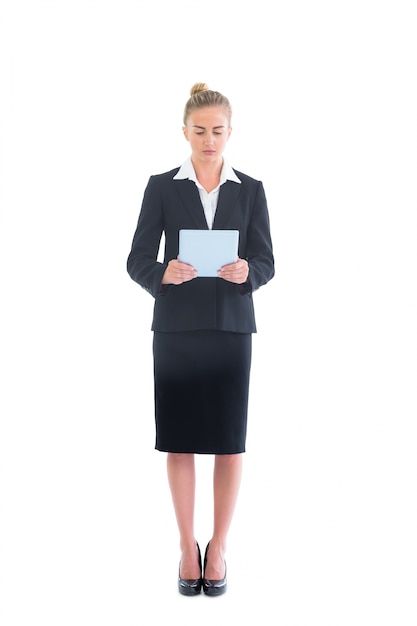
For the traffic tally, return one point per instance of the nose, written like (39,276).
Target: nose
(209,139)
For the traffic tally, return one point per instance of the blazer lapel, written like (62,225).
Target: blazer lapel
(228,194)
(190,199)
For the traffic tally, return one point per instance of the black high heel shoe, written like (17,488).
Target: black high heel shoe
(214,587)
(190,586)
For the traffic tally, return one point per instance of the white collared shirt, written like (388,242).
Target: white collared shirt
(208,200)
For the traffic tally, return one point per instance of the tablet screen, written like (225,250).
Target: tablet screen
(208,250)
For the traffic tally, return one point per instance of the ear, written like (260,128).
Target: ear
(185,131)
(230,132)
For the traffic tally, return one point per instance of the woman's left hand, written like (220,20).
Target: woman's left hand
(235,272)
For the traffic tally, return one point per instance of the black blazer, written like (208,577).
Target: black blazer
(202,303)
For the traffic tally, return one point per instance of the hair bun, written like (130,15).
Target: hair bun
(202,97)
(197,87)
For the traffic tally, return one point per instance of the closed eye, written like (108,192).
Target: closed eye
(215,132)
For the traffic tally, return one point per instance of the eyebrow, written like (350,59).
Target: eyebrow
(204,128)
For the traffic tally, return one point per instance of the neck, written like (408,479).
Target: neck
(208,170)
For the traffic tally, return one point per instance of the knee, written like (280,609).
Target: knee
(229,459)
(178,458)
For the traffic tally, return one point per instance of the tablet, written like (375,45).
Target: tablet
(208,250)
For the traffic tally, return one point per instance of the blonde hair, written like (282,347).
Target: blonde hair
(201,96)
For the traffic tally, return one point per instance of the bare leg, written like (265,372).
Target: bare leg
(181,478)
(226,483)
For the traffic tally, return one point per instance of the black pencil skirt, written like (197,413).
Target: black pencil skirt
(201,391)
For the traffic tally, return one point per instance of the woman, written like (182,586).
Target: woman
(202,325)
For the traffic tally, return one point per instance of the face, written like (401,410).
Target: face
(207,130)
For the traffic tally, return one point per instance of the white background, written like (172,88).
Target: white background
(324,97)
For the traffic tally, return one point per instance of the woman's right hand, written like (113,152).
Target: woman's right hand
(177,273)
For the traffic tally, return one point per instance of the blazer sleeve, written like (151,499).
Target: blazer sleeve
(259,250)
(142,264)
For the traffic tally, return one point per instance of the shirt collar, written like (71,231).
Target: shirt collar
(187,171)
